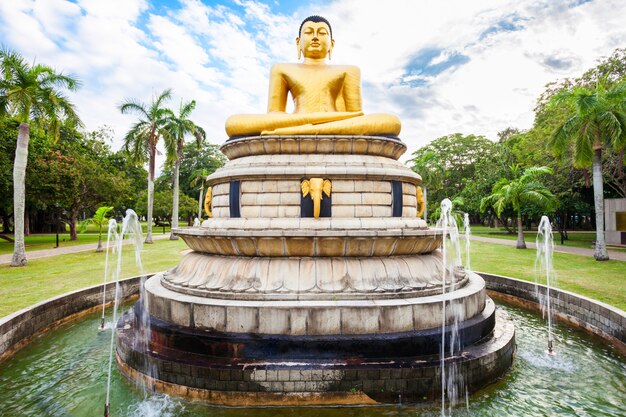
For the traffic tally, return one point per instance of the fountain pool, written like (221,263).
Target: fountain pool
(64,372)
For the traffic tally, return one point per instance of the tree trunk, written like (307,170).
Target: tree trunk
(601,254)
(175,202)
(99,248)
(72,223)
(19,200)
(150,192)
(200,204)
(521,244)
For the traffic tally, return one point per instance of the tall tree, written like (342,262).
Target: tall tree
(524,189)
(143,136)
(448,165)
(596,121)
(178,127)
(32,94)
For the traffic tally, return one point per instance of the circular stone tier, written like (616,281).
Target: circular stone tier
(314,144)
(238,365)
(315,278)
(327,166)
(312,237)
(305,316)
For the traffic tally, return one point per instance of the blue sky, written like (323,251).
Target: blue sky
(442,66)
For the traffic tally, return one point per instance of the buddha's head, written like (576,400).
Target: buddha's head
(315,38)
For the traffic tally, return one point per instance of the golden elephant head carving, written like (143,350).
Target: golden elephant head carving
(420,202)
(316,187)
(208,198)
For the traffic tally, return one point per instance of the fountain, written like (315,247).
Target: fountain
(543,266)
(314,281)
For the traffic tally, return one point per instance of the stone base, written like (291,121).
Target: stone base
(309,317)
(345,380)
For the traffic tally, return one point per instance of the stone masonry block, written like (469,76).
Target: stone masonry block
(380,199)
(342,186)
(210,317)
(290,199)
(288,211)
(409,200)
(381,211)
(269,211)
(251,211)
(363,211)
(267,199)
(270,186)
(345,211)
(274,321)
(408,188)
(242,320)
(247,199)
(221,189)
(220,201)
(349,199)
(251,186)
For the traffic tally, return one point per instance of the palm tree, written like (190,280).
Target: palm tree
(31,94)
(178,127)
(100,219)
(199,178)
(143,136)
(522,190)
(596,120)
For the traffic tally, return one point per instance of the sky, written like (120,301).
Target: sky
(444,66)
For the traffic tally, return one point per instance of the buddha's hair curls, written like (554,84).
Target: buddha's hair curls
(315,19)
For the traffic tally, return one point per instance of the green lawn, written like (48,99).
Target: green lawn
(47,277)
(48,241)
(578,239)
(604,281)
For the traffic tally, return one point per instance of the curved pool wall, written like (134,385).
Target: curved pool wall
(601,319)
(18,328)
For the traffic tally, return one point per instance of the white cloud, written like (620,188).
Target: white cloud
(220,54)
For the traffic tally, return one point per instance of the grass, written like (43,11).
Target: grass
(603,281)
(47,277)
(48,241)
(577,239)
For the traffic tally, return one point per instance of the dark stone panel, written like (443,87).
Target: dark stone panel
(233,198)
(214,345)
(396,195)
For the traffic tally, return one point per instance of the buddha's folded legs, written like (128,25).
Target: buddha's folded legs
(254,124)
(371,124)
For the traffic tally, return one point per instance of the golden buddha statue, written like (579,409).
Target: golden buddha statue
(327,98)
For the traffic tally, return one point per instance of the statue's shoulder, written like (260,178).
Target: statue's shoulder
(350,69)
(283,67)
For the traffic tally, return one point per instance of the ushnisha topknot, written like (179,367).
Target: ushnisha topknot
(315,19)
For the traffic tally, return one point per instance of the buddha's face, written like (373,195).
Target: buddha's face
(314,40)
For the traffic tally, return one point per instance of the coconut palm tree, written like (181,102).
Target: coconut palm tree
(522,190)
(100,219)
(596,120)
(143,136)
(31,94)
(178,127)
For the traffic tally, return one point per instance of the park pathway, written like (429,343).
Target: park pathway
(44,253)
(619,256)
